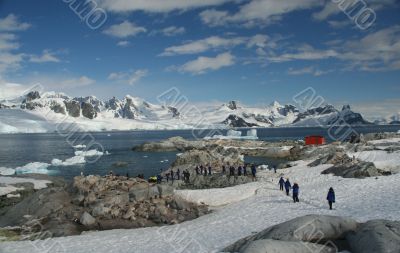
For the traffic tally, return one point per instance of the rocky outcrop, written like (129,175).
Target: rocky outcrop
(263,246)
(175,113)
(73,108)
(57,108)
(88,111)
(232,105)
(236,121)
(378,236)
(356,170)
(214,181)
(311,229)
(32,96)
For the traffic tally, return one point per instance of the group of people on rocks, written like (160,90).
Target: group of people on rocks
(296,191)
(239,171)
(172,176)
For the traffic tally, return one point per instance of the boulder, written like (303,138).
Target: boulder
(141,194)
(87,219)
(358,170)
(265,246)
(310,228)
(377,236)
(165,190)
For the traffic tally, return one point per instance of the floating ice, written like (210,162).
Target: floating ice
(35,167)
(236,135)
(233,133)
(6,171)
(80,146)
(88,153)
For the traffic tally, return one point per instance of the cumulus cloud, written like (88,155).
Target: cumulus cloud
(12,24)
(75,82)
(173,31)
(257,11)
(130,77)
(46,56)
(203,64)
(158,6)
(203,45)
(307,70)
(123,43)
(124,30)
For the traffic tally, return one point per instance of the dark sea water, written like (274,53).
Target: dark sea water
(20,149)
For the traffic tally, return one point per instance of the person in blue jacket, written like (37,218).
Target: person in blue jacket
(281,183)
(288,186)
(254,172)
(331,197)
(296,190)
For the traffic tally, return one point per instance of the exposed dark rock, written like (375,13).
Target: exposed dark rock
(129,110)
(57,108)
(174,111)
(356,170)
(377,236)
(328,109)
(235,121)
(73,108)
(232,105)
(88,111)
(32,96)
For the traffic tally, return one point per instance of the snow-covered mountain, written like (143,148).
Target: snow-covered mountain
(93,114)
(392,120)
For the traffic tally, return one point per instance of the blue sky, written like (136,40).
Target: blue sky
(255,51)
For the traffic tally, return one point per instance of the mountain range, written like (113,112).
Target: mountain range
(93,114)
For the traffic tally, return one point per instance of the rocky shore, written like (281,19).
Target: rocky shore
(95,203)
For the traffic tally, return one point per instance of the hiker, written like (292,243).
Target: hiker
(231,171)
(223,169)
(167,176)
(197,170)
(172,176)
(274,168)
(331,197)
(209,170)
(253,171)
(159,179)
(296,190)
(178,174)
(288,186)
(245,170)
(201,169)
(239,170)
(187,176)
(281,183)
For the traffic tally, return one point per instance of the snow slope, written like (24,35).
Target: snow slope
(362,199)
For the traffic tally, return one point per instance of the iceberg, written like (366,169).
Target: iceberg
(236,135)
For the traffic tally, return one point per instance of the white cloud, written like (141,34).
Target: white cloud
(203,45)
(307,70)
(156,5)
(257,11)
(123,43)
(124,30)
(47,56)
(12,24)
(339,24)
(131,77)
(75,82)
(173,31)
(304,52)
(331,8)
(203,64)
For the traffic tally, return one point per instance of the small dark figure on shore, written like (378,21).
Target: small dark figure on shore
(172,176)
(159,179)
(167,176)
(245,170)
(231,171)
(281,183)
(127,175)
(209,170)
(239,171)
(187,176)
(253,171)
(296,190)
(178,174)
(274,169)
(201,169)
(331,197)
(288,186)
(223,169)
(197,170)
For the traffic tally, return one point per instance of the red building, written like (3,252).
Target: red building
(315,140)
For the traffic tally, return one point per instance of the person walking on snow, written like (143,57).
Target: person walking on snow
(296,190)
(281,183)
(288,186)
(331,197)
(253,171)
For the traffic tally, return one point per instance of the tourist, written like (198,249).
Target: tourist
(187,176)
(239,170)
(172,176)
(167,176)
(281,183)
(331,197)
(253,171)
(274,168)
(231,171)
(288,186)
(178,174)
(159,179)
(201,169)
(223,169)
(197,170)
(296,190)
(245,170)
(209,170)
